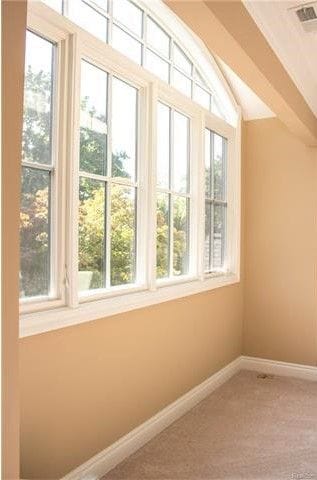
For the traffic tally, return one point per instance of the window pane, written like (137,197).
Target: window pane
(182,83)
(181,60)
(162,235)
(124,129)
(129,15)
(215,108)
(123,234)
(157,38)
(207,163)
(157,66)
(208,210)
(180,152)
(163,146)
(93,118)
(126,44)
(89,19)
(101,4)
(180,235)
(219,232)
(199,79)
(91,233)
(37,121)
(202,97)
(35,233)
(219,164)
(55,4)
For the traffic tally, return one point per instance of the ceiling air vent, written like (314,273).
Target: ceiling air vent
(307,15)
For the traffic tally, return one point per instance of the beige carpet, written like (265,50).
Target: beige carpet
(250,428)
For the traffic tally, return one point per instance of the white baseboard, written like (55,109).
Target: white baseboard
(305,372)
(106,460)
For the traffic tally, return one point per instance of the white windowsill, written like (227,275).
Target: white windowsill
(45,321)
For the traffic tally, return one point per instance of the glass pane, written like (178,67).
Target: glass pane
(101,4)
(123,234)
(93,120)
(157,38)
(182,83)
(129,15)
(199,79)
(219,232)
(35,233)
(207,256)
(124,129)
(91,234)
(89,19)
(202,97)
(55,4)
(38,85)
(180,152)
(163,146)
(157,66)
(162,235)
(219,163)
(180,235)
(207,163)
(215,108)
(127,45)
(181,60)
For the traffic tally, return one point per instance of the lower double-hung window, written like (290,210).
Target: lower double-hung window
(108,180)
(215,201)
(173,192)
(38,170)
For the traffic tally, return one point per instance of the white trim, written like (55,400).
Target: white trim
(273,367)
(41,322)
(111,456)
(104,461)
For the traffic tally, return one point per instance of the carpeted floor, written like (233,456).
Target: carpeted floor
(250,428)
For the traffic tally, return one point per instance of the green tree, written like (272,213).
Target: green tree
(34,218)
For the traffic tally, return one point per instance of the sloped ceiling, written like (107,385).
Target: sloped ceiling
(295,48)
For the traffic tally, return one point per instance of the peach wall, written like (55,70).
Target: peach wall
(83,387)
(281,245)
(13,44)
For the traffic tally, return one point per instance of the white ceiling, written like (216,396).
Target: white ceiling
(295,48)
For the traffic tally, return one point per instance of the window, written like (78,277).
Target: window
(173,197)
(215,201)
(107,184)
(134,32)
(130,182)
(37,169)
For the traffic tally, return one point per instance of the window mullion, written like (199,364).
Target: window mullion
(200,194)
(212,207)
(171,234)
(107,232)
(171,186)
(72,186)
(152,180)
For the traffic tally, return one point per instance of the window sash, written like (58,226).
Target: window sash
(151,91)
(56,294)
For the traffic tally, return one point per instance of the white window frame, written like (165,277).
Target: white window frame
(56,298)
(70,308)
